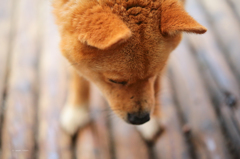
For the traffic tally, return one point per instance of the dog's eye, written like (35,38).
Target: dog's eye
(118,82)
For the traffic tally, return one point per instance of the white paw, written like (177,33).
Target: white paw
(74,117)
(149,130)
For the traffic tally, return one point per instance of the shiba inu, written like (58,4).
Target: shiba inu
(122,47)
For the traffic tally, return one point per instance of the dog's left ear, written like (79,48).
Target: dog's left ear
(100,28)
(175,19)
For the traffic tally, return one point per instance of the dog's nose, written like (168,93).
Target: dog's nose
(137,119)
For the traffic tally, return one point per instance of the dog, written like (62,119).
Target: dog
(122,47)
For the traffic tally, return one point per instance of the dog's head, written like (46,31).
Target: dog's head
(122,46)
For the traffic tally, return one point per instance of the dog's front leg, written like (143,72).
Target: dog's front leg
(75,113)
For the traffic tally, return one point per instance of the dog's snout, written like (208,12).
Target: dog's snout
(137,119)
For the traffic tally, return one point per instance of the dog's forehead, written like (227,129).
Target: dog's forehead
(135,11)
(132,61)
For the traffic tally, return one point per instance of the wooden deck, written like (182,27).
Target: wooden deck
(200,92)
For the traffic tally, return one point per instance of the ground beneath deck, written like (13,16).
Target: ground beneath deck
(200,92)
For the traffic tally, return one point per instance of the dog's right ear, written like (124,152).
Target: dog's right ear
(175,19)
(99,27)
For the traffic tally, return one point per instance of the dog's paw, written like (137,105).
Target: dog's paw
(74,117)
(150,130)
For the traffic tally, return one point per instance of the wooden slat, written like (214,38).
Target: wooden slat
(5,42)
(196,107)
(209,51)
(171,144)
(19,123)
(236,6)
(85,145)
(227,30)
(128,143)
(53,142)
(225,112)
(100,114)
(219,78)
(97,134)
(210,54)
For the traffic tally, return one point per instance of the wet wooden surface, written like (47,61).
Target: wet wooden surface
(200,94)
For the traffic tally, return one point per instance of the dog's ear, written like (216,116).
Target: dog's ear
(175,19)
(100,28)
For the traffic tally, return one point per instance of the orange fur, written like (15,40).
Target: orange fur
(92,25)
(175,19)
(127,41)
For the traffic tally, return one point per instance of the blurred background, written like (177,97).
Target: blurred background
(200,92)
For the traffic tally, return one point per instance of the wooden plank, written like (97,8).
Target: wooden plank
(128,143)
(227,30)
(5,41)
(196,107)
(100,114)
(210,54)
(235,4)
(171,144)
(219,79)
(20,119)
(97,134)
(231,130)
(53,142)
(85,145)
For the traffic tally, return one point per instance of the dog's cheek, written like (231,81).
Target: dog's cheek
(171,42)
